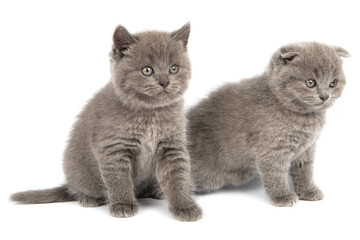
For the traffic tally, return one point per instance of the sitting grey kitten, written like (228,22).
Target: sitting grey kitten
(129,141)
(268,124)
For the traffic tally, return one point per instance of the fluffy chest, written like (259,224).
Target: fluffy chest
(149,128)
(284,136)
(149,137)
(296,135)
(299,139)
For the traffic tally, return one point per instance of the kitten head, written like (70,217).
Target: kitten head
(150,69)
(307,77)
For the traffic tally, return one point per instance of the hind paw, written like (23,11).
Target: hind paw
(313,194)
(88,201)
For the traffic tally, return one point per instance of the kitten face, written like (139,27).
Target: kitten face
(307,77)
(153,69)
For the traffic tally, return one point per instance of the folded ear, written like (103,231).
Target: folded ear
(122,39)
(182,34)
(287,57)
(341,52)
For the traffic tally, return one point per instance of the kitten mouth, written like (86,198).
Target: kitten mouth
(164,92)
(160,94)
(155,94)
(320,106)
(314,104)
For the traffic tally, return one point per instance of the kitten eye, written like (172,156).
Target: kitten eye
(147,71)
(333,83)
(310,83)
(173,69)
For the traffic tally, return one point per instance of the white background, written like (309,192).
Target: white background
(53,57)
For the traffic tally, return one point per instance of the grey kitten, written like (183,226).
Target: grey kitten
(129,141)
(268,124)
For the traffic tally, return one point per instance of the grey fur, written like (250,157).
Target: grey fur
(267,125)
(59,194)
(129,141)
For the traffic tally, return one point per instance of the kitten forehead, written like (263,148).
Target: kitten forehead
(314,53)
(315,58)
(321,71)
(157,46)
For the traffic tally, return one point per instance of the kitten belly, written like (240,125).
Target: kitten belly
(144,168)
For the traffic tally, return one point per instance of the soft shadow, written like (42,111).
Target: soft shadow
(253,187)
(151,203)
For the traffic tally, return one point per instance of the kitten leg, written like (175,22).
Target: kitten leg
(302,175)
(115,162)
(274,175)
(173,174)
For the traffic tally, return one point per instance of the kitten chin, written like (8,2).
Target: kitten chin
(264,125)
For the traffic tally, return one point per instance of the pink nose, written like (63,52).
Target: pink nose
(324,97)
(164,84)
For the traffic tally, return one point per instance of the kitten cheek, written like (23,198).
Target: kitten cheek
(174,88)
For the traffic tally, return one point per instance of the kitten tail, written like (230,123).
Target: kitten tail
(58,194)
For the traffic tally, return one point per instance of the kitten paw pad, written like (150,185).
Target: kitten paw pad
(313,194)
(288,200)
(123,210)
(189,214)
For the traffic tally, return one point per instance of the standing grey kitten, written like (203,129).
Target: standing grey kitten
(268,124)
(129,141)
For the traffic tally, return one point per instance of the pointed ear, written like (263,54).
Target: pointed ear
(182,34)
(287,57)
(122,39)
(341,52)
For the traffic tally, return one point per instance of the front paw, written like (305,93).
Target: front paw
(313,194)
(287,200)
(189,214)
(123,210)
